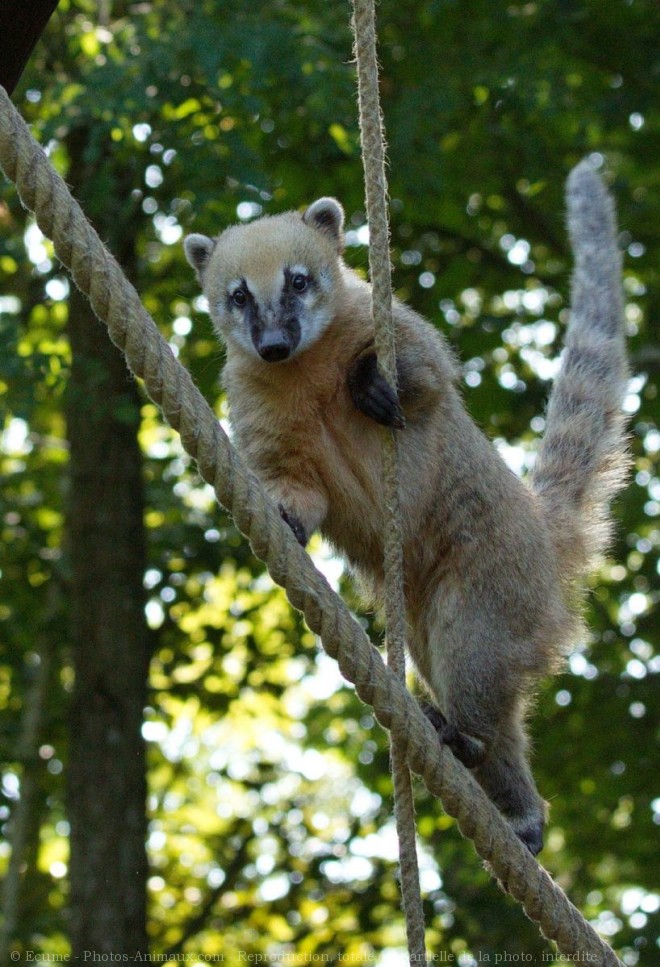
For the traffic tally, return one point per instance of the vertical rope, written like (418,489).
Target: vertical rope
(373,155)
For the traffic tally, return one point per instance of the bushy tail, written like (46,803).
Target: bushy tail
(583,459)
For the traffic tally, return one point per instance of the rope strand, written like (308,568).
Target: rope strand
(373,156)
(132,329)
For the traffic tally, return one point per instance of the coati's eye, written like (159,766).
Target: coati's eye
(299,282)
(239,297)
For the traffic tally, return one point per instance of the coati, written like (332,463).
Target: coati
(492,566)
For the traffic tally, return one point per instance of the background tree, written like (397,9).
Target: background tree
(268,797)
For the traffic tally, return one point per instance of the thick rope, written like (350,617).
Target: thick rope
(132,329)
(373,157)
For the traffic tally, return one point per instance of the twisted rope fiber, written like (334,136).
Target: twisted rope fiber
(132,329)
(373,157)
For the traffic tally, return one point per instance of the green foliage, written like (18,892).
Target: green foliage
(269,793)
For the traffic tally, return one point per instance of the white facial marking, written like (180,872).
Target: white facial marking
(324,279)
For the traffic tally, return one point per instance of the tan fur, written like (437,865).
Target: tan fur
(486,601)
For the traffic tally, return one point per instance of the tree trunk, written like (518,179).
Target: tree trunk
(106,773)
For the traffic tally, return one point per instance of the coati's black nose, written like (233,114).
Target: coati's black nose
(273,347)
(274,354)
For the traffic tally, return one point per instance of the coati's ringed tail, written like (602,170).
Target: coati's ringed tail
(582,460)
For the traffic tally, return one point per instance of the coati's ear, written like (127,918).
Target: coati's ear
(198,250)
(327,216)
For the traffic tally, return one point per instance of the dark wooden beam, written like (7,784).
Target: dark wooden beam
(22,23)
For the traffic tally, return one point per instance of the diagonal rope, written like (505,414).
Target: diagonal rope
(132,329)
(373,158)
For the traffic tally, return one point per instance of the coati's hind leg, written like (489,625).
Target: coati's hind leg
(473,677)
(507,779)
(500,766)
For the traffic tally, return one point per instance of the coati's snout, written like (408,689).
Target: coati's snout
(275,331)
(274,350)
(275,345)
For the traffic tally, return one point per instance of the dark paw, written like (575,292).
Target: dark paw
(469,750)
(466,748)
(531,835)
(373,395)
(294,524)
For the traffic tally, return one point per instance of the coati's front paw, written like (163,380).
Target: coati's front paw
(469,750)
(372,394)
(295,525)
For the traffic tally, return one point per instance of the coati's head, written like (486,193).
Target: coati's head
(272,284)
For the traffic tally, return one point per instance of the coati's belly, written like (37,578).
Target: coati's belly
(350,468)
(352,473)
